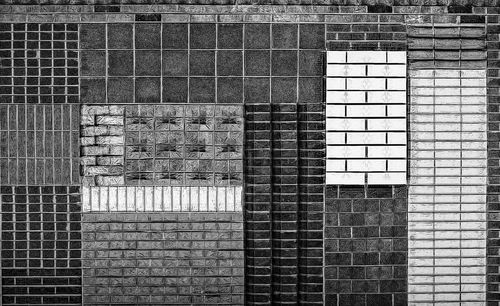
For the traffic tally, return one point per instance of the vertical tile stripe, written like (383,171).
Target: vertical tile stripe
(447,194)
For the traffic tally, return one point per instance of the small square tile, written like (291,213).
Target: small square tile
(175,63)
(93,90)
(202,36)
(202,90)
(229,63)
(311,90)
(202,63)
(147,63)
(230,90)
(230,36)
(92,36)
(285,36)
(120,90)
(284,90)
(175,90)
(120,36)
(147,36)
(257,63)
(257,36)
(312,36)
(147,90)
(120,63)
(257,90)
(93,63)
(284,63)
(175,36)
(310,63)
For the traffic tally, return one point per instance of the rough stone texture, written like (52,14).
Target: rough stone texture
(102,145)
(163,258)
(365,245)
(41,245)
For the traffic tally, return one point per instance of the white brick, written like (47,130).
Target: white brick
(396,110)
(387,178)
(139,199)
(344,178)
(335,138)
(366,56)
(387,70)
(345,151)
(130,193)
(396,165)
(446,83)
(335,110)
(148,198)
(396,138)
(337,165)
(337,70)
(335,83)
(185,199)
(396,83)
(113,198)
(336,56)
(387,124)
(387,151)
(345,97)
(365,110)
(345,124)
(212,199)
(387,97)
(203,194)
(122,199)
(396,56)
(109,120)
(365,84)
(365,165)
(366,138)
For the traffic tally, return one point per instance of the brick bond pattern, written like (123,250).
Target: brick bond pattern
(366,117)
(163,259)
(365,245)
(41,245)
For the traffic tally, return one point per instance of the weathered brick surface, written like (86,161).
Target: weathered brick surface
(41,245)
(102,145)
(365,245)
(163,258)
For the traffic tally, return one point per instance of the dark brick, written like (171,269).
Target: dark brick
(175,36)
(202,36)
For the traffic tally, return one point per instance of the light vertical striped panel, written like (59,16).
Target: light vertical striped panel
(366,117)
(447,193)
(162,199)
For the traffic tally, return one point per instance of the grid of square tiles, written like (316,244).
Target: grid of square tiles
(146,62)
(366,117)
(174,199)
(365,245)
(184,145)
(41,245)
(39,63)
(39,144)
(163,259)
(447,193)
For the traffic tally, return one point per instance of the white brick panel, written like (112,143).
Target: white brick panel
(366,117)
(447,192)
(161,199)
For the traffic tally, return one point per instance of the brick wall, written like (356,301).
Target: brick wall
(163,258)
(365,245)
(41,245)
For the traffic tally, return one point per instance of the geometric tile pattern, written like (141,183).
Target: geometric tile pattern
(158,198)
(447,193)
(39,63)
(198,145)
(366,117)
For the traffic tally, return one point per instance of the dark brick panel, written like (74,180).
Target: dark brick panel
(41,245)
(163,258)
(366,245)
